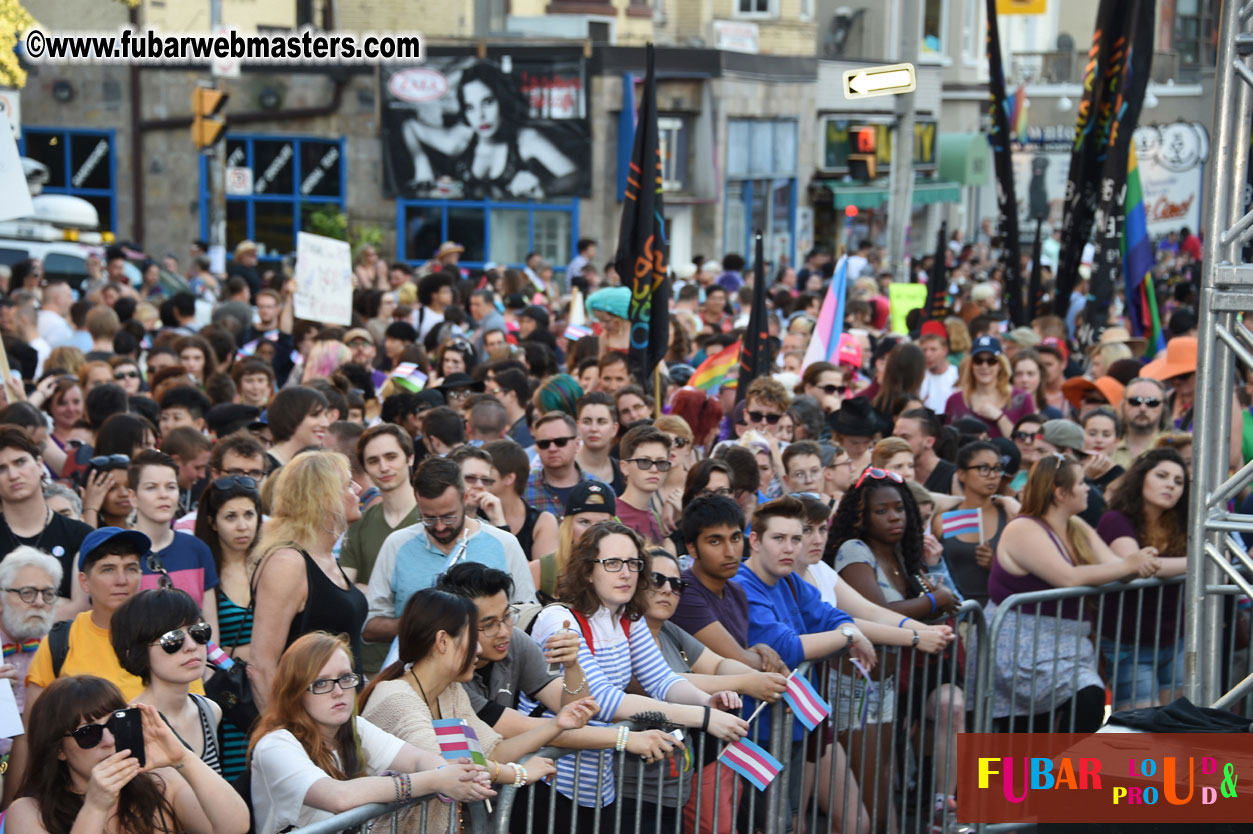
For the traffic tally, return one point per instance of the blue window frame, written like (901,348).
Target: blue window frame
(292,177)
(491,231)
(81,163)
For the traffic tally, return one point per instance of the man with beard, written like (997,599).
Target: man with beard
(30,580)
(414,557)
(1145,414)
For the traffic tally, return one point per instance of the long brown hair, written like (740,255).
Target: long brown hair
(1170,530)
(1049,473)
(297,668)
(68,703)
(574,586)
(903,374)
(426,614)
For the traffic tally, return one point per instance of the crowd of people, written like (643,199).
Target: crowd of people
(287,551)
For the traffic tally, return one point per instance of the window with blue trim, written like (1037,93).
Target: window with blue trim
(490,231)
(292,177)
(80,163)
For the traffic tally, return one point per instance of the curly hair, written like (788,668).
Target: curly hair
(1171,528)
(574,586)
(850,523)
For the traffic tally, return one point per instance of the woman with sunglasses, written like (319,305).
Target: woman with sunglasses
(969,555)
(80,782)
(663,792)
(824,382)
(589,502)
(126,374)
(1028,432)
(669,497)
(312,757)
(602,594)
(298,585)
(438,644)
(984,390)
(160,637)
(228,520)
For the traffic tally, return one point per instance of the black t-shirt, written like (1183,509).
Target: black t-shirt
(62,538)
(941,478)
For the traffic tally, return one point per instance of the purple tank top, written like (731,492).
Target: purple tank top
(1002,584)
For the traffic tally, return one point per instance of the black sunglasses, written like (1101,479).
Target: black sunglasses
(757,417)
(126,375)
(831,390)
(676,584)
(110,461)
(985,359)
(559,442)
(1150,402)
(172,641)
(89,735)
(236,480)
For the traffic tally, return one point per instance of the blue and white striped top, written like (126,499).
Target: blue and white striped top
(608,673)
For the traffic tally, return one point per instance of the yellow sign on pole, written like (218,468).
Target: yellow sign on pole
(1021,6)
(903,298)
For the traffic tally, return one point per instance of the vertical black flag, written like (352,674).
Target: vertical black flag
(1037,276)
(999,138)
(755,347)
(641,255)
(937,280)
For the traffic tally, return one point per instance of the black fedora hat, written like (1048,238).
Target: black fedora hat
(856,418)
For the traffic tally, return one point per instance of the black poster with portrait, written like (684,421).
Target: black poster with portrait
(502,128)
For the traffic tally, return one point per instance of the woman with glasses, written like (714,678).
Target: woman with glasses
(602,593)
(984,390)
(661,787)
(589,502)
(438,644)
(228,520)
(160,637)
(312,757)
(298,585)
(78,781)
(126,374)
(969,555)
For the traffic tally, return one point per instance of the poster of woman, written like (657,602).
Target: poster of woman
(471,128)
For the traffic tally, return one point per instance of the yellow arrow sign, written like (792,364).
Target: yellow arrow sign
(890,80)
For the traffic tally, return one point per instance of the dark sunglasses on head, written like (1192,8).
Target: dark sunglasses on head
(879,475)
(236,480)
(110,462)
(559,442)
(172,641)
(1148,402)
(757,417)
(676,584)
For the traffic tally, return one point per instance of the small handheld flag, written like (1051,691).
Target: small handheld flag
(574,332)
(752,762)
(457,740)
(216,656)
(959,522)
(408,376)
(715,369)
(806,703)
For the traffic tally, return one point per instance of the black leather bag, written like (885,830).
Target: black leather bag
(231,690)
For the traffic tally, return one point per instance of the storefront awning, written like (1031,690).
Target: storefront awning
(965,158)
(875,196)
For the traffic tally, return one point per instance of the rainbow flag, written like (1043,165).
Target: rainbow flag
(826,335)
(1137,254)
(752,762)
(715,369)
(809,707)
(1018,114)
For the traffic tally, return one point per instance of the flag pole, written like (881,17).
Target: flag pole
(657,392)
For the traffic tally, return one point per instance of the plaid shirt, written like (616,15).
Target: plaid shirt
(541,496)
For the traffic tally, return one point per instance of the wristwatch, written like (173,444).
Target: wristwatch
(849,632)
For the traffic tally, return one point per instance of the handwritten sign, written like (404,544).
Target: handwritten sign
(903,298)
(323,279)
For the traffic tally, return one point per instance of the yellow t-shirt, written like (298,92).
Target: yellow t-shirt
(90,653)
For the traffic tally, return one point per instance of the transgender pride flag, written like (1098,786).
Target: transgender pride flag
(752,762)
(826,338)
(960,522)
(457,740)
(805,701)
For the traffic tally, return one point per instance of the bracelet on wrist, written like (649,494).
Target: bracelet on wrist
(914,644)
(570,691)
(519,776)
(931,597)
(901,624)
(624,732)
(704,723)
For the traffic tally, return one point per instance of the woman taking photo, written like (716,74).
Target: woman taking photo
(1142,647)
(984,390)
(1044,669)
(298,585)
(312,757)
(77,781)
(1101,430)
(438,644)
(589,502)
(604,599)
(969,555)
(228,521)
(160,637)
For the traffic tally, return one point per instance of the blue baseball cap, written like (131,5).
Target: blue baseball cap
(986,344)
(97,539)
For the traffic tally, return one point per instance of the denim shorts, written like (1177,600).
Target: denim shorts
(1141,672)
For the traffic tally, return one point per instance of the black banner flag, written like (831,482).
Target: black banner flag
(999,138)
(755,348)
(937,280)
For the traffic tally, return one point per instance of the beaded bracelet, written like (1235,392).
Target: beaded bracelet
(569,691)
(623,733)
(519,776)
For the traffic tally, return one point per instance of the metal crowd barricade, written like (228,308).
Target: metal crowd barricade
(380,818)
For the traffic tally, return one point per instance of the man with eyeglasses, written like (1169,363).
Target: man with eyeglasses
(645,461)
(413,558)
(802,467)
(1145,417)
(557,441)
(236,455)
(29,580)
(386,453)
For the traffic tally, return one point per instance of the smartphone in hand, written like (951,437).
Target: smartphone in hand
(128,732)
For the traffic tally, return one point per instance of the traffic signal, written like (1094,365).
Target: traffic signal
(862,157)
(207,126)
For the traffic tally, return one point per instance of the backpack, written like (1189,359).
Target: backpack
(59,645)
(528,612)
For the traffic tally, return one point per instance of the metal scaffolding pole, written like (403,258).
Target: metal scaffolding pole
(1226,291)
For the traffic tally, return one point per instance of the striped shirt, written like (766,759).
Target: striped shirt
(234,629)
(608,672)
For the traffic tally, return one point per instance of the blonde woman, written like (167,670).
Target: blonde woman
(984,390)
(298,584)
(589,502)
(894,455)
(682,456)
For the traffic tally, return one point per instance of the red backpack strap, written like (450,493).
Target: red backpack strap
(585,626)
(626,628)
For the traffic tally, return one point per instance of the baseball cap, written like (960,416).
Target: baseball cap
(591,497)
(1023,337)
(934,327)
(97,539)
(1011,458)
(358,333)
(986,344)
(1064,435)
(849,351)
(1055,346)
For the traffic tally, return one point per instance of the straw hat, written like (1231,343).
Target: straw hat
(1118,336)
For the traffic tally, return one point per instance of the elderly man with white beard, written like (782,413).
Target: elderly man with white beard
(29,579)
